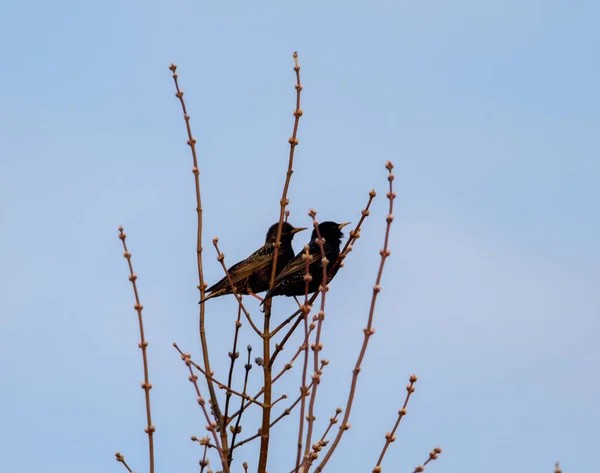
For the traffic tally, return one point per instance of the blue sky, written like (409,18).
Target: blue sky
(490,112)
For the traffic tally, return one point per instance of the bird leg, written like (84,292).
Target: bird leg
(252,294)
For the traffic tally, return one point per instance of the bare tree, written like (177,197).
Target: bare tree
(224,427)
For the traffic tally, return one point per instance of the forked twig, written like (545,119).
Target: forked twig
(316,347)
(146,385)
(391,436)
(369,330)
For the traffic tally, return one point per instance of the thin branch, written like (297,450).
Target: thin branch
(146,385)
(316,347)
(419,469)
(391,436)
(354,234)
(121,459)
(221,259)
(267,365)
(187,358)
(369,330)
(332,421)
(201,283)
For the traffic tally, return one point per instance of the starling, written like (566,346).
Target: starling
(253,274)
(290,281)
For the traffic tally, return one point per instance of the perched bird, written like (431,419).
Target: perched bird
(253,274)
(290,281)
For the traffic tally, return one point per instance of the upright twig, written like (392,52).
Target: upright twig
(201,284)
(267,366)
(369,330)
(146,385)
(316,348)
(391,436)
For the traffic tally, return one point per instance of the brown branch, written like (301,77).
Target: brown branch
(267,365)
(245,465)
(354,234)
(369,330)
(391,436)
(146,385)
(419,469)
(221,259)
(201,283)
(188,361)
(121,459)
(316,347)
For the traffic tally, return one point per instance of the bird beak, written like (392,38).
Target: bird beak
(342,225)
(296,230)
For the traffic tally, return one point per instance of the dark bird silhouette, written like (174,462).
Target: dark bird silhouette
(290,281)
(253,274)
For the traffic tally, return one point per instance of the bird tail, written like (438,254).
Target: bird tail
(268,295)
(210,296)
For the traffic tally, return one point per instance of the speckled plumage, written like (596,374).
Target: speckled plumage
(252,275)
(290,281)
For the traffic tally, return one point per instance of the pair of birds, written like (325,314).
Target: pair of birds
(252,275)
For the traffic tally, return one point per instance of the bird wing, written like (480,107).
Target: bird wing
(296,265)
(249,266)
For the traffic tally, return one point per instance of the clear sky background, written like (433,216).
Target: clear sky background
(490,111)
